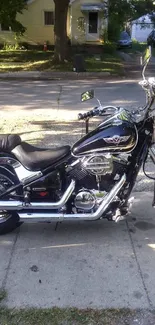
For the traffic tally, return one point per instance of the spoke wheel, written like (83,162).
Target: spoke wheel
(8,221)
(4,216)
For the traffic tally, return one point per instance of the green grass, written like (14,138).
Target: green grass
(56,316)
(136,48)
(29,61)
(139,47)
(108,63)
(3,294)
(22,60)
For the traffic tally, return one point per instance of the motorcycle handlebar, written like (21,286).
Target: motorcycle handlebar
(147,85)
(93,112)
(96,112)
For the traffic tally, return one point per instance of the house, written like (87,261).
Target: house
(141,28)
(38,19)
(86,22)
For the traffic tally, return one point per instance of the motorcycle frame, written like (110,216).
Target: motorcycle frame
(7,168)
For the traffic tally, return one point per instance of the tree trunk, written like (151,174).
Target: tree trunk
(60,30)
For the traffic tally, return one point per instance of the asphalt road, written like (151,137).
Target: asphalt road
(38,95)
(86,264)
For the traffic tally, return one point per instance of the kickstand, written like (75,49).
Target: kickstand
(153,203)
(56,226)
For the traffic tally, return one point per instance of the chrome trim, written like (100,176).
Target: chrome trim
(19,205)
(152,153)
(116,139)
(43,217)
(24,175)
(11,205)
(104,166)
(40,217)
(75,163)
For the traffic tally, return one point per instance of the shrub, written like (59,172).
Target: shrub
(109,47)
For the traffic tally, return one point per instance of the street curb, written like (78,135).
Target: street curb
(37,75)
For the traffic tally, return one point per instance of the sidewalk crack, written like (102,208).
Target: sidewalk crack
(58,101)
(10,260)
(138,265)
(59,95)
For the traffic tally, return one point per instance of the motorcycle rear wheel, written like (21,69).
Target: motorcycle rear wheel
(9,221)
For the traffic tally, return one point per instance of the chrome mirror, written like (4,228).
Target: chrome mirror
(89,94)
(145,58)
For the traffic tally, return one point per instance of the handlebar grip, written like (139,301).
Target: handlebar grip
(80,116)
(86,115)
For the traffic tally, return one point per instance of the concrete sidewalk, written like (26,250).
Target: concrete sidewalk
(54,75)
(82,264)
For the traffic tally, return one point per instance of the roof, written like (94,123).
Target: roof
(31,1)
(92,7)
(146,19)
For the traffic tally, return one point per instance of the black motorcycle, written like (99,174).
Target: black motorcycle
(90,181)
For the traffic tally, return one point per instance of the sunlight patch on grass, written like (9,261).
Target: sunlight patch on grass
(107,64)
(11,61)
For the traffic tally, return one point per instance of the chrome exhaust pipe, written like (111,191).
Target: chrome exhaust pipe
(19,205)
(152,153)
(46,217)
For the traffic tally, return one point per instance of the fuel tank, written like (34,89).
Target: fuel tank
(113,137)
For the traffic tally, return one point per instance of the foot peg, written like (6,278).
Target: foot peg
(118,216)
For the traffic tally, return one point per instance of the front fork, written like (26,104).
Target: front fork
(138,157)
(152,155)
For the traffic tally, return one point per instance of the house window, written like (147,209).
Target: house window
(5,27)
(48,18)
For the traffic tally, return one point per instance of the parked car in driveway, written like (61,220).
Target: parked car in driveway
(124,40)
(151,38)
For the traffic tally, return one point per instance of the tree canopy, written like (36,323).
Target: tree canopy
(8,13)
(122,11)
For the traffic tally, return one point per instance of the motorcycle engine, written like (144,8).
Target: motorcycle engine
(85,200)
(99,165)
(90,186)
(95,176)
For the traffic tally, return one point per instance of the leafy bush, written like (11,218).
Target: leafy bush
(109,47)
(10,47)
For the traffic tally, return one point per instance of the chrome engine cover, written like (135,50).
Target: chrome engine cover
(99,164)
(85,200)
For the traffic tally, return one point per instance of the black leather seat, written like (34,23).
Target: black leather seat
(35,159)
(9,141)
